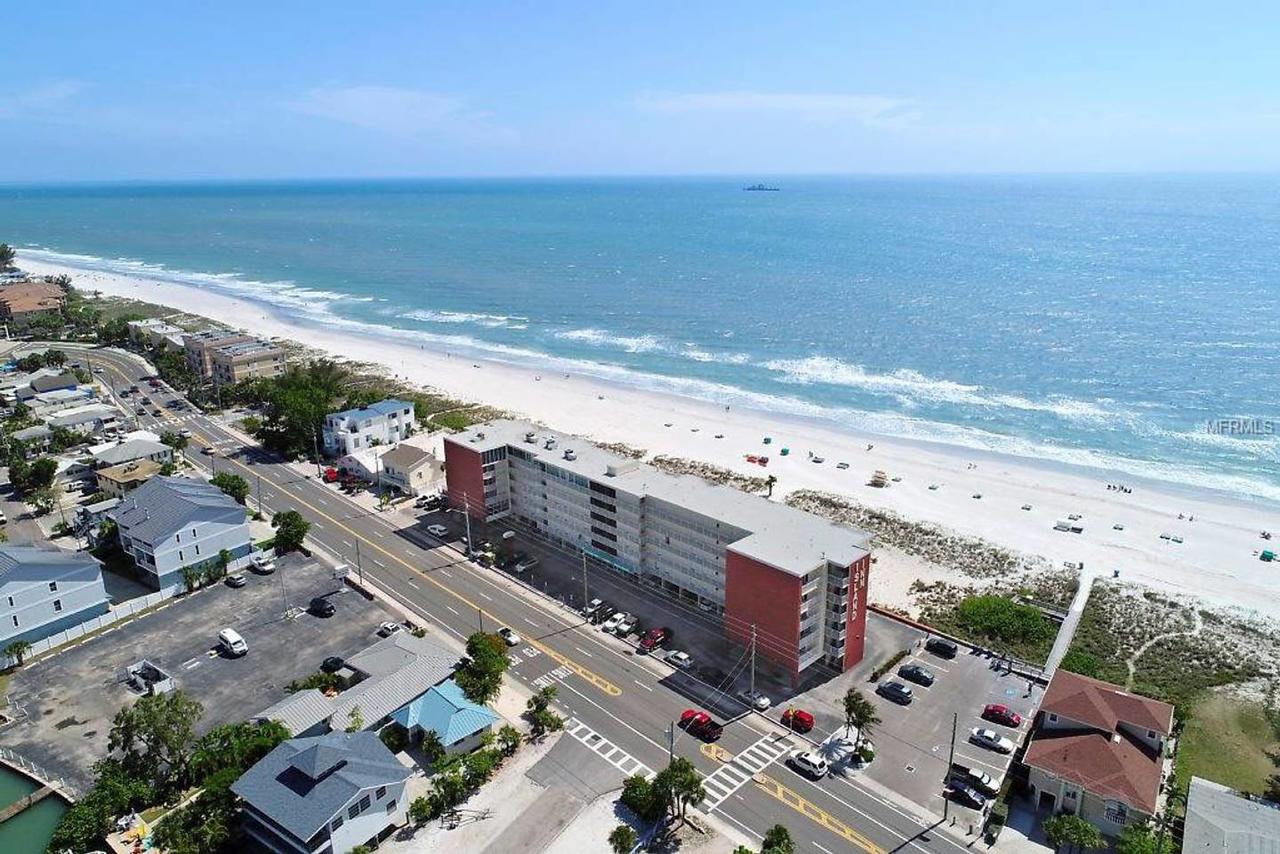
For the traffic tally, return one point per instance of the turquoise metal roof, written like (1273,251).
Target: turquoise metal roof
(446,710)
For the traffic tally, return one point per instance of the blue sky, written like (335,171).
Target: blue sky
(90,91)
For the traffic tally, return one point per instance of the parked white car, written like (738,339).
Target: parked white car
(627,626)
(755,700)
(808,763)
(679,659)
(264,564)
(230,640)
(438,531)
(991,740)
(388,629)
(611,624)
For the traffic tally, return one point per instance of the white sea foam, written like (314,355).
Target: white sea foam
(428,315)
(600,338)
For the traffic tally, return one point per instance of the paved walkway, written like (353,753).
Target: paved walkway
(1067,632)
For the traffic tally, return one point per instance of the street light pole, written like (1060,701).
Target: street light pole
(359,568)
(585,598)
(753,660)
(260,513)
(315,445)
(951,761)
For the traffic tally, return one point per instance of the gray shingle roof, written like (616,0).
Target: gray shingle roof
(129,450)
(303,783)
(12,556)
(398,669)
(163,505)
(299,712)
(49,383)
(406,456)
(1219,821)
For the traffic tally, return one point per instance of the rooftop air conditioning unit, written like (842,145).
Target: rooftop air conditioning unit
(569,454)
(531,437)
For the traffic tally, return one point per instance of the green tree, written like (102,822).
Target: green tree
(778,841)
(1136,838)
(355,719)
(291,530)
(861,713)
(43,498)
(235,747)
(481,677)
(509,739)
(175,440)
(638,795)
(55,358)
(34,476)
(541,719)
(420,810)
(432,747)
(623,839)
(63,438)
(7,255)
(678,786)
(1072,831)
(205,824)
(116,329)
(17,650)
(154,736)
(86,823)
(234,485)
(191,578)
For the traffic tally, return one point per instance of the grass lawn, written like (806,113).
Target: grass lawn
(1227,741)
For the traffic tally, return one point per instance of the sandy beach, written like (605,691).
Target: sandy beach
(1216,560)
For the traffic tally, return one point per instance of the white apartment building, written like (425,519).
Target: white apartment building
(383,423)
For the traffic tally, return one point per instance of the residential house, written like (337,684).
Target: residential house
(1098,752)
(22,303)
(138,445)
(1221,821)
(90,419)
(326,795)
(199,347)
(89,518)
(412,471)
(35,438)
(153,332)
(365,463)
(171,523)
(235,363)
(383,423)
(126,477)
(47,403)
(45,382)
(402,680)
(45,591)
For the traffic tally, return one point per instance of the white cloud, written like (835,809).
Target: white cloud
(874,110)
(38,98)
(399,112)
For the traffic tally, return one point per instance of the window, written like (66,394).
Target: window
(53,587)
(391,805)
(197,549)
(193,532)
(364,803)
(337,823)
(10,601)
(353,811)
(57,605)
(180,557)
(1117,812)
(1053,718)
(15,621)
(382,790)
(1151,733)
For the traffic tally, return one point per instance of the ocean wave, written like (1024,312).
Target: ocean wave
(600,338)
(912,387)
(428,315)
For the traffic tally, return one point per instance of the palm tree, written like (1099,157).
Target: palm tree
(509,739)
(859,712)
(622,839)
(17,650)
(6,257)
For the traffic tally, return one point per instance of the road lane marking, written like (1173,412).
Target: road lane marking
(455,613)
(584,652)
(595,679)
(815,813)
(642,685)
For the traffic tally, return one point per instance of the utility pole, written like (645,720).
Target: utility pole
(359,568)
(753,658)
(315,445)
(480,614)
(671,742)
(260,513)
(585,598)
(951,760)
(284,593)
(466,515)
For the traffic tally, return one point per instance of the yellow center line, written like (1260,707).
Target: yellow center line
(598,681)
(815,813)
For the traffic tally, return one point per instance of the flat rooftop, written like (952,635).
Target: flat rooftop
(782,537)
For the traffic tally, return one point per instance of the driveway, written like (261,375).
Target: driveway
(64,704)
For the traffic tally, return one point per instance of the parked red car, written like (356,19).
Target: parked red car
(654,638)
(1002,715)
(797,720)
(700,724)
(330,475)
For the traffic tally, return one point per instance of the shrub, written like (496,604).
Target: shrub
(998,618)
(889,664)
(394,737)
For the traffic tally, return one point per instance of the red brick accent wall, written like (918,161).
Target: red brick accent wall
(464,474)
(856,625)
(757,593)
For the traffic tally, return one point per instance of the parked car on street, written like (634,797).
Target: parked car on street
(627,626)
(611,624)
(602,614)
(808,763)
(654,638)
(895,691)
(755,700)
(999,714)
(991,740)
(592,606)
(322,607)
(509,635)
(332,664)
(681,660)
(917,674)
(797,720)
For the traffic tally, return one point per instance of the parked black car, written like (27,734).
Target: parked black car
(967,796)
(332,664)
(942,647)
(322,607)
(917,674)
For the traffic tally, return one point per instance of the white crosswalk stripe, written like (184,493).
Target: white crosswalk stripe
(606,749)
(727,779)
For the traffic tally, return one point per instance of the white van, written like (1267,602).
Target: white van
(230,640)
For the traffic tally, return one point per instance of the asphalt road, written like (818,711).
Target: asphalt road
(617,703)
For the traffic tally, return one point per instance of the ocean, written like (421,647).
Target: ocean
(1103,321)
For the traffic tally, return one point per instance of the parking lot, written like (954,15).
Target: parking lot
(64,704)
(913,742)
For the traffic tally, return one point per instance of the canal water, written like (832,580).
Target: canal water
(29,831)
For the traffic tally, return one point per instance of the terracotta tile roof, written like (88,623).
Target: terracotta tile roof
(1115,767)
(1103,705)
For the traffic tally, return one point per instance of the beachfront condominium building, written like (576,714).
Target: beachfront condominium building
(383,423)
(45,591)
(250,360)
(795,581)
(199,347)
(169,524)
